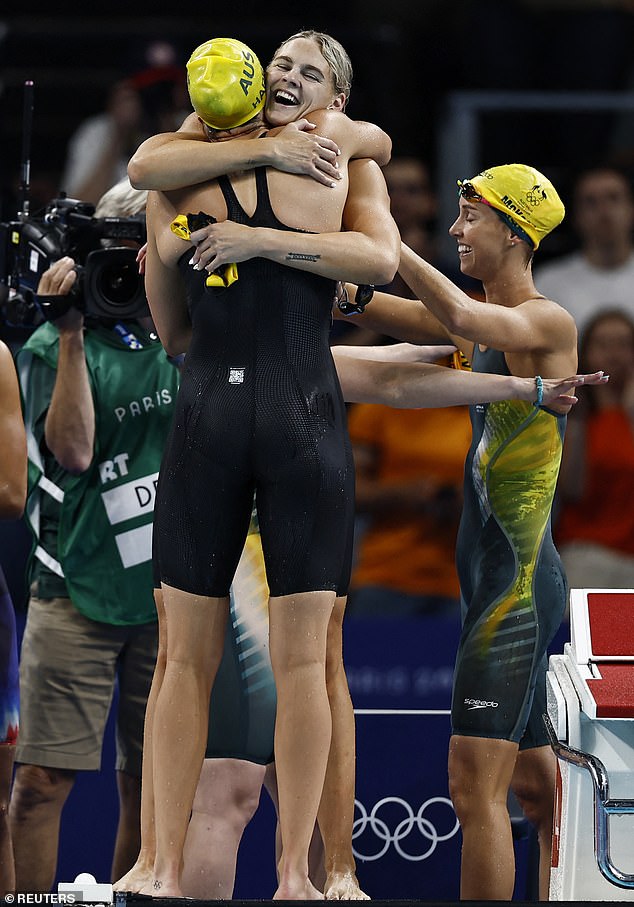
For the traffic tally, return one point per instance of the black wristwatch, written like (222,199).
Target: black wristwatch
(362,296)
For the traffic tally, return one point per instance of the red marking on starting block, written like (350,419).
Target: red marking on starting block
(611,618)
(614,692)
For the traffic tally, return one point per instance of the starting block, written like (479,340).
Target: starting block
(590,701)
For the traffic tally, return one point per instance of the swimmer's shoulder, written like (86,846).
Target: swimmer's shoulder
(356,138)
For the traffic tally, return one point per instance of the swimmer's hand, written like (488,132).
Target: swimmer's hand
(141,255)
(223,243)
(297,149)
(558,391)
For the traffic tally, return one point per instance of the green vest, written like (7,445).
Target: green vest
(93,532)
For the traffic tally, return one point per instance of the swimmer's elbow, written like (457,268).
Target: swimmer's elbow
(386,267)
(384,151)
(138,174)
(175,343)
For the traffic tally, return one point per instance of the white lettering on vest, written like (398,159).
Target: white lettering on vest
(113,469)
(161,397)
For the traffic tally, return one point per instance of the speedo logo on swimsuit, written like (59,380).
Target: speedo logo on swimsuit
(480,704)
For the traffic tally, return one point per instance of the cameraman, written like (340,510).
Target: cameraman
(98,398)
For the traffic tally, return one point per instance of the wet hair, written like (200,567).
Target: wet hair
(335,56)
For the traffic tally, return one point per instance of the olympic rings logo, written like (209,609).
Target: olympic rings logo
(405,826)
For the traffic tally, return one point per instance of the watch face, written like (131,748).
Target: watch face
(364,294)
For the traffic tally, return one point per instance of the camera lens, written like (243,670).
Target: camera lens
(117,283)
(113,286)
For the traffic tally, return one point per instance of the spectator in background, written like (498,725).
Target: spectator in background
(413,206)
(600,275)
(595,526)
(153,98)
(409,468)
(12,498)
(99,150)
(162,85)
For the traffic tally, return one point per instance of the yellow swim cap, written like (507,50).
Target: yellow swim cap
(225,82)
(526,199)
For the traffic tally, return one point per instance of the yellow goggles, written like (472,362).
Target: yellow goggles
(183,226)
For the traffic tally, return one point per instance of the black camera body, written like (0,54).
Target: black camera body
(108,287)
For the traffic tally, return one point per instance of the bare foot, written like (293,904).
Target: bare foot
(133,881)
(162,888)
(343,886)
(301,891)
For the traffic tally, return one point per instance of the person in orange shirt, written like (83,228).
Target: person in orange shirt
(595,527)
(409,467)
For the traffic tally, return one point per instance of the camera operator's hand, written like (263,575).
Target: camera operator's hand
(58,280)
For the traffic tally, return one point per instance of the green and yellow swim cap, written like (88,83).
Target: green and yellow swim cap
(225,82)
(524,197)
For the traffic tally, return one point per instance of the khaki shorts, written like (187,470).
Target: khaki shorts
(70,667)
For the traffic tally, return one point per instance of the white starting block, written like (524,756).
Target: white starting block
(590,696)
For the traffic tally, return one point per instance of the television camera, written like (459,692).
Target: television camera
(108,286)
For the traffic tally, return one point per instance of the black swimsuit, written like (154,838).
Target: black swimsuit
(259,410)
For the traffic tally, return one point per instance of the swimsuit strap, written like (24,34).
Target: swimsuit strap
(264,210)
(235,211)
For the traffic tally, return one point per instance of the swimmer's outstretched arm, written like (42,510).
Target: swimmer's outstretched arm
(538,324)
(397,317)
(396,352)
(409,385)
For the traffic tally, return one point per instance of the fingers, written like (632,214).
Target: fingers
(326,171)
(327,145)
(204,259)
(202,242)
(58,279)
(594,378)
(206,256)
(329,178)
(199,235)
(141,257)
